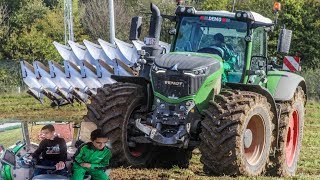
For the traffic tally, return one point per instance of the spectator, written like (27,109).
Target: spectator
(92,158)
(53,151)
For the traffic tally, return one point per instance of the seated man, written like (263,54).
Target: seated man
(226,54)
(92,158)
(53,150)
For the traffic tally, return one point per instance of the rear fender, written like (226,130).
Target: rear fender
(282,84)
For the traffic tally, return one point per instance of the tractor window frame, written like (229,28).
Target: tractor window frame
(259,42)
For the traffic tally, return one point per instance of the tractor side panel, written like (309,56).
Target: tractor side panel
(210,87)
(282,84)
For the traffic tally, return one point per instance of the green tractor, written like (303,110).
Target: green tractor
(245,116)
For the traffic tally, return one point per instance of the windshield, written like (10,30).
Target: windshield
(216,35)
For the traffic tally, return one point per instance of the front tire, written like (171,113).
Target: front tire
(114,109)
(236,134)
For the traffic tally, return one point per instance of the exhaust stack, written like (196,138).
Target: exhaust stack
(152,47)
(155,24)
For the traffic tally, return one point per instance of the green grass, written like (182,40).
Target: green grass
(8,138)
(26,108)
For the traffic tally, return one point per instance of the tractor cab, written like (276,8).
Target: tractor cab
(234,37)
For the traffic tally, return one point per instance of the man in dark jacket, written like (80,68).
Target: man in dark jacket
(92,158)
(53,150)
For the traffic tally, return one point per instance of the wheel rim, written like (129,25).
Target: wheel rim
(292,138)
(254,147)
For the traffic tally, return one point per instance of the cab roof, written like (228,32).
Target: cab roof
(258,18)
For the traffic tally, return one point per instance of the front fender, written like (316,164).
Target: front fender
(282,84)
(145,83)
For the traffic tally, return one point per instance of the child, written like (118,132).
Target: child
(92,158)
(53,150)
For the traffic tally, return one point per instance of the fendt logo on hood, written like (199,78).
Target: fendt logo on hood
(173,83)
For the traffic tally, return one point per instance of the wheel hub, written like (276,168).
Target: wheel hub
(247,138)
(254,140)
(292,138)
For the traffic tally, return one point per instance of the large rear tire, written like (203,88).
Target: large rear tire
(236,134)
(114,109)
(285,161)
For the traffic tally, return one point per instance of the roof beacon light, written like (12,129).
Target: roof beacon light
(277,6)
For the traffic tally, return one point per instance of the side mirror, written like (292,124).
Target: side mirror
(172,31)
(135,29)
(284,41)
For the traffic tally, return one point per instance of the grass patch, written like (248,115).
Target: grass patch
(25,107)
(8,138)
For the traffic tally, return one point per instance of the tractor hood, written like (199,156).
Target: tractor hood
(188,61)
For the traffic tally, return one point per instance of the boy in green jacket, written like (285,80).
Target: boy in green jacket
(92,158)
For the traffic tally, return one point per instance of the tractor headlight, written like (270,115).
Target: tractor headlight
(197,72)
(244,16)
(158,69)
(185,10)
(182,108)
(162,106)
(238,15)
(155,68)
(182,9)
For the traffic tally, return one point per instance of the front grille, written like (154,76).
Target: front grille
(175,84)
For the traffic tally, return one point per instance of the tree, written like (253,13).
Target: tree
(4,28)
(303,17)
(94,17)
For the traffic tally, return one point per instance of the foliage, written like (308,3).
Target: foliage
(304,18)
(216,5)
(33,27)
(9,76)
(94,16)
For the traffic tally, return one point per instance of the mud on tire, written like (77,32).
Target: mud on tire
(285,161)
(236,134)
(113,109)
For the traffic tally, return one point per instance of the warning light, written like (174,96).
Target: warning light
(277,6)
